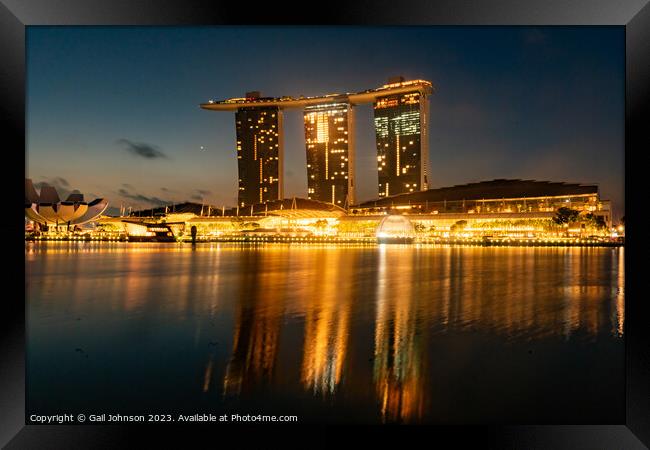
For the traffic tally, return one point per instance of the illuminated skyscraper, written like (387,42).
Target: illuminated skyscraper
(259,154)
(401,129)
(330,153)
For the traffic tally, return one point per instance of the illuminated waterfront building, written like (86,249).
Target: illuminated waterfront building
(259,154)
(499,199)
(330,153)
(401,129)
(497,208)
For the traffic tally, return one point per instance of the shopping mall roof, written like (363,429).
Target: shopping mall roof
(485,190)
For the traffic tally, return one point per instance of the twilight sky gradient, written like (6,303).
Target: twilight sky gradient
(113,111)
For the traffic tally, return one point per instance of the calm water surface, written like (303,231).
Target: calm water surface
(363,334)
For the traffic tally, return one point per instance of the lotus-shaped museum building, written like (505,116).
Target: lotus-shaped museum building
(47,209)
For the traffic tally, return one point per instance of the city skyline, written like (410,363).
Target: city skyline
(113,111)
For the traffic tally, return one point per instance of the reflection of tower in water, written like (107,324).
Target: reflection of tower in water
(327,321)
(258,321)
(399,363)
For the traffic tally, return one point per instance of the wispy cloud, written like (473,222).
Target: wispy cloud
(143,199)
(143,149)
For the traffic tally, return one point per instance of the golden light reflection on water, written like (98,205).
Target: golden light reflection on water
(326,327)
(257,323)
(620,291)
(393,300)
(398,361)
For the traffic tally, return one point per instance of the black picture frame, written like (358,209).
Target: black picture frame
(634,15)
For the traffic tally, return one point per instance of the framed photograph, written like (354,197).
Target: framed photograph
(406,219)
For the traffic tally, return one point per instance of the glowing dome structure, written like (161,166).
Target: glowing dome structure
(47,209)
(395,228)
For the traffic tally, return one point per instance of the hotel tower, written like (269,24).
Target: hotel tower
(401,117)
(401,129)
(259,153)
(330,153)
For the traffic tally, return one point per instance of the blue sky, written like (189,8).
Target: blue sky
(113,111)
